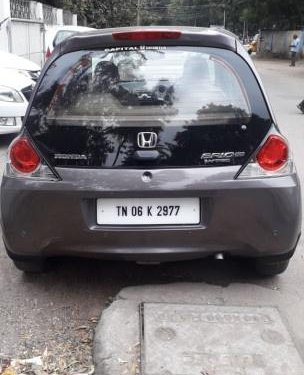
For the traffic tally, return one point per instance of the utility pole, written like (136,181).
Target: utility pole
(244,31)
(224,18)
(138,12)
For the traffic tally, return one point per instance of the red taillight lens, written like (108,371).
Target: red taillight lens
(48,53)
(274,153)
(146,35)
(23,156)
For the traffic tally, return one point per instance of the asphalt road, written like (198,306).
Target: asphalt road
(57,310)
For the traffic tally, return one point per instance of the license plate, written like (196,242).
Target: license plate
(148,211)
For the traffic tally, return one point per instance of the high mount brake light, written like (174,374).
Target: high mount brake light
(23,156)
(146,35)
(274,153)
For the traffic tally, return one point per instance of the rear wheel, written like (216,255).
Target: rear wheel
(270,268)
(31,265)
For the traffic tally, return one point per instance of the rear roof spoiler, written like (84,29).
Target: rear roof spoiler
(189,36)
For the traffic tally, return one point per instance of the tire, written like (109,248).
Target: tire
(32,265)
(270,268)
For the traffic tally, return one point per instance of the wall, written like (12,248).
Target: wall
(27,40)
(23,24)
(4,21)
(276,43)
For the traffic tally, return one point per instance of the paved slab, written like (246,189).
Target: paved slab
(116,346)
(180,339)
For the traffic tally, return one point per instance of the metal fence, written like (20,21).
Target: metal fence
(27,10)
(67,17)
(49,15)
(23,9)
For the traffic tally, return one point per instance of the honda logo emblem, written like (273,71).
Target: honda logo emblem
(146,139)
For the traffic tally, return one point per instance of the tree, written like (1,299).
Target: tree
(256,14)
(111,13)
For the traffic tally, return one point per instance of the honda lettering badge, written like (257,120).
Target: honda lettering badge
(146,139)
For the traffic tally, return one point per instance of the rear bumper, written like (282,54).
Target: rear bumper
(252,218)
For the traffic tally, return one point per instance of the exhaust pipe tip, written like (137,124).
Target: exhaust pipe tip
(219,256)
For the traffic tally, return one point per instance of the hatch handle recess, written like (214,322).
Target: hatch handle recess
(146,154)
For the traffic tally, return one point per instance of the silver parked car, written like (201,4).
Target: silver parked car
(150,144)
(15,93)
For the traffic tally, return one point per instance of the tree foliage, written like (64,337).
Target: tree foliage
(235,14)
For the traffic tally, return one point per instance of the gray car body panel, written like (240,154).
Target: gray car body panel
(256,217)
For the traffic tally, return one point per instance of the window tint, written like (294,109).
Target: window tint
(127,87)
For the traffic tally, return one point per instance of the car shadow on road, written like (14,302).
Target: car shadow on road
(95,273)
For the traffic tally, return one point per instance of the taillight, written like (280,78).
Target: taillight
(274,153)
(23,156)
(48,53)
(272,160)
(146,35)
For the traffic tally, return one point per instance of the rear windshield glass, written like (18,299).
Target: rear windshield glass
(100,108)
(124,88)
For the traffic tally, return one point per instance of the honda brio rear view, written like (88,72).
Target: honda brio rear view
(151,145)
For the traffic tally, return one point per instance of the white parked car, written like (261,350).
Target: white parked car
(57,34)
(23,66)
(15,92)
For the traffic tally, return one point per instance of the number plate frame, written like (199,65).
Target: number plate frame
(148,211)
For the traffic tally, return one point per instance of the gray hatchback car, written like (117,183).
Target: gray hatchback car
(150,144)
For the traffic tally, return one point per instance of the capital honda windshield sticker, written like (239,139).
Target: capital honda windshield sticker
(135,48)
